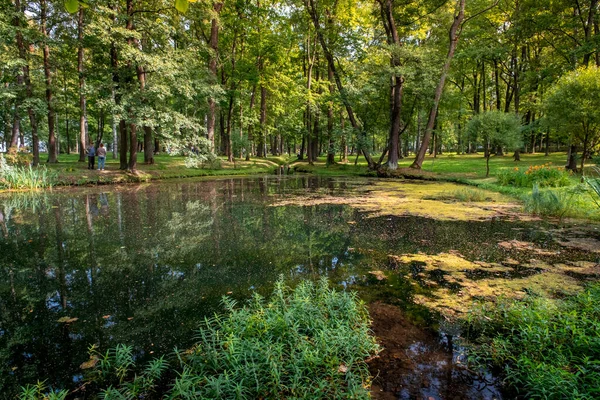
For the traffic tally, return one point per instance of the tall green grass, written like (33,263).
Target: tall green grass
(25,177)
(307,343)
(594,184)
(545,349)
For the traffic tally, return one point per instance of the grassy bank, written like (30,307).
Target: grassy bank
(560,194)
(70,172)
(545,349)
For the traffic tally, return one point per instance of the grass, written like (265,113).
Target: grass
(307,343)
(594,184)
(545,349)
(18,177)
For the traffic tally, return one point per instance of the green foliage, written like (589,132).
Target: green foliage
(25,177)
(542,175)
(40,391)
(594,184)
(546,349)
(551,202)
(469,195)
(572,105)
(310,342)
(495,128)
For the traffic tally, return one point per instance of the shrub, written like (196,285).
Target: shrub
(197,161)
(551,203)
(24,177)
(546,349)
(310,342)
(15,158)
(543,175)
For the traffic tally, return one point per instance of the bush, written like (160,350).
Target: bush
(543,175)
(24,177)
(545,349)
(551,203)
(197,161)
(310,342)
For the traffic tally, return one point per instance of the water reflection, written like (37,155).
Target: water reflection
(142,265)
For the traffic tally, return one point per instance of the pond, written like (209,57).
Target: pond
(144,264)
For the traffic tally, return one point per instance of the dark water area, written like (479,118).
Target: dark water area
(142,265)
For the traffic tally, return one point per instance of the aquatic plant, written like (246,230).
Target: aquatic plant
(551,203)
(542,175)
(24,177)
(546,349)
(40,391)
(594,184)
(309,342)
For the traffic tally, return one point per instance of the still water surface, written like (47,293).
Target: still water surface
(143,264)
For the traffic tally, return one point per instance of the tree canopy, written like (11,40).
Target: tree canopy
(301,77)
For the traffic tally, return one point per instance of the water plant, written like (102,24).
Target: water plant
(40,391)
(307,342)
(544,175)
(546,348)
(24,177)
(551,202)
(594,184)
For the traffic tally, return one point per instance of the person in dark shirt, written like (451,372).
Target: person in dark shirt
(91,153)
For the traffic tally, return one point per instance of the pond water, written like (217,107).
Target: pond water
(144,264)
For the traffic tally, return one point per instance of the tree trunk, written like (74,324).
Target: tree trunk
(263,121)
(311,8)
(28,86)
(497,84)
(572,159)
(330,145)
(133,144)
(52,153)
(114,128)
(393,39)
(212,67)
(83,125)
(148,142)
(454,35)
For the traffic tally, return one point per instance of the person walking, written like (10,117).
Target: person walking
(91,153)
(101,157)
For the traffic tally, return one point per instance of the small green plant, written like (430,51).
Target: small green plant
(543,175)
(469,195)
(40,391)
(546,349)
(309,342)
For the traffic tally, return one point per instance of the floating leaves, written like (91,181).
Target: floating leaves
(91,363)
(67,320)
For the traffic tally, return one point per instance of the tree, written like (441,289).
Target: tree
(572,107)
(495,129)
